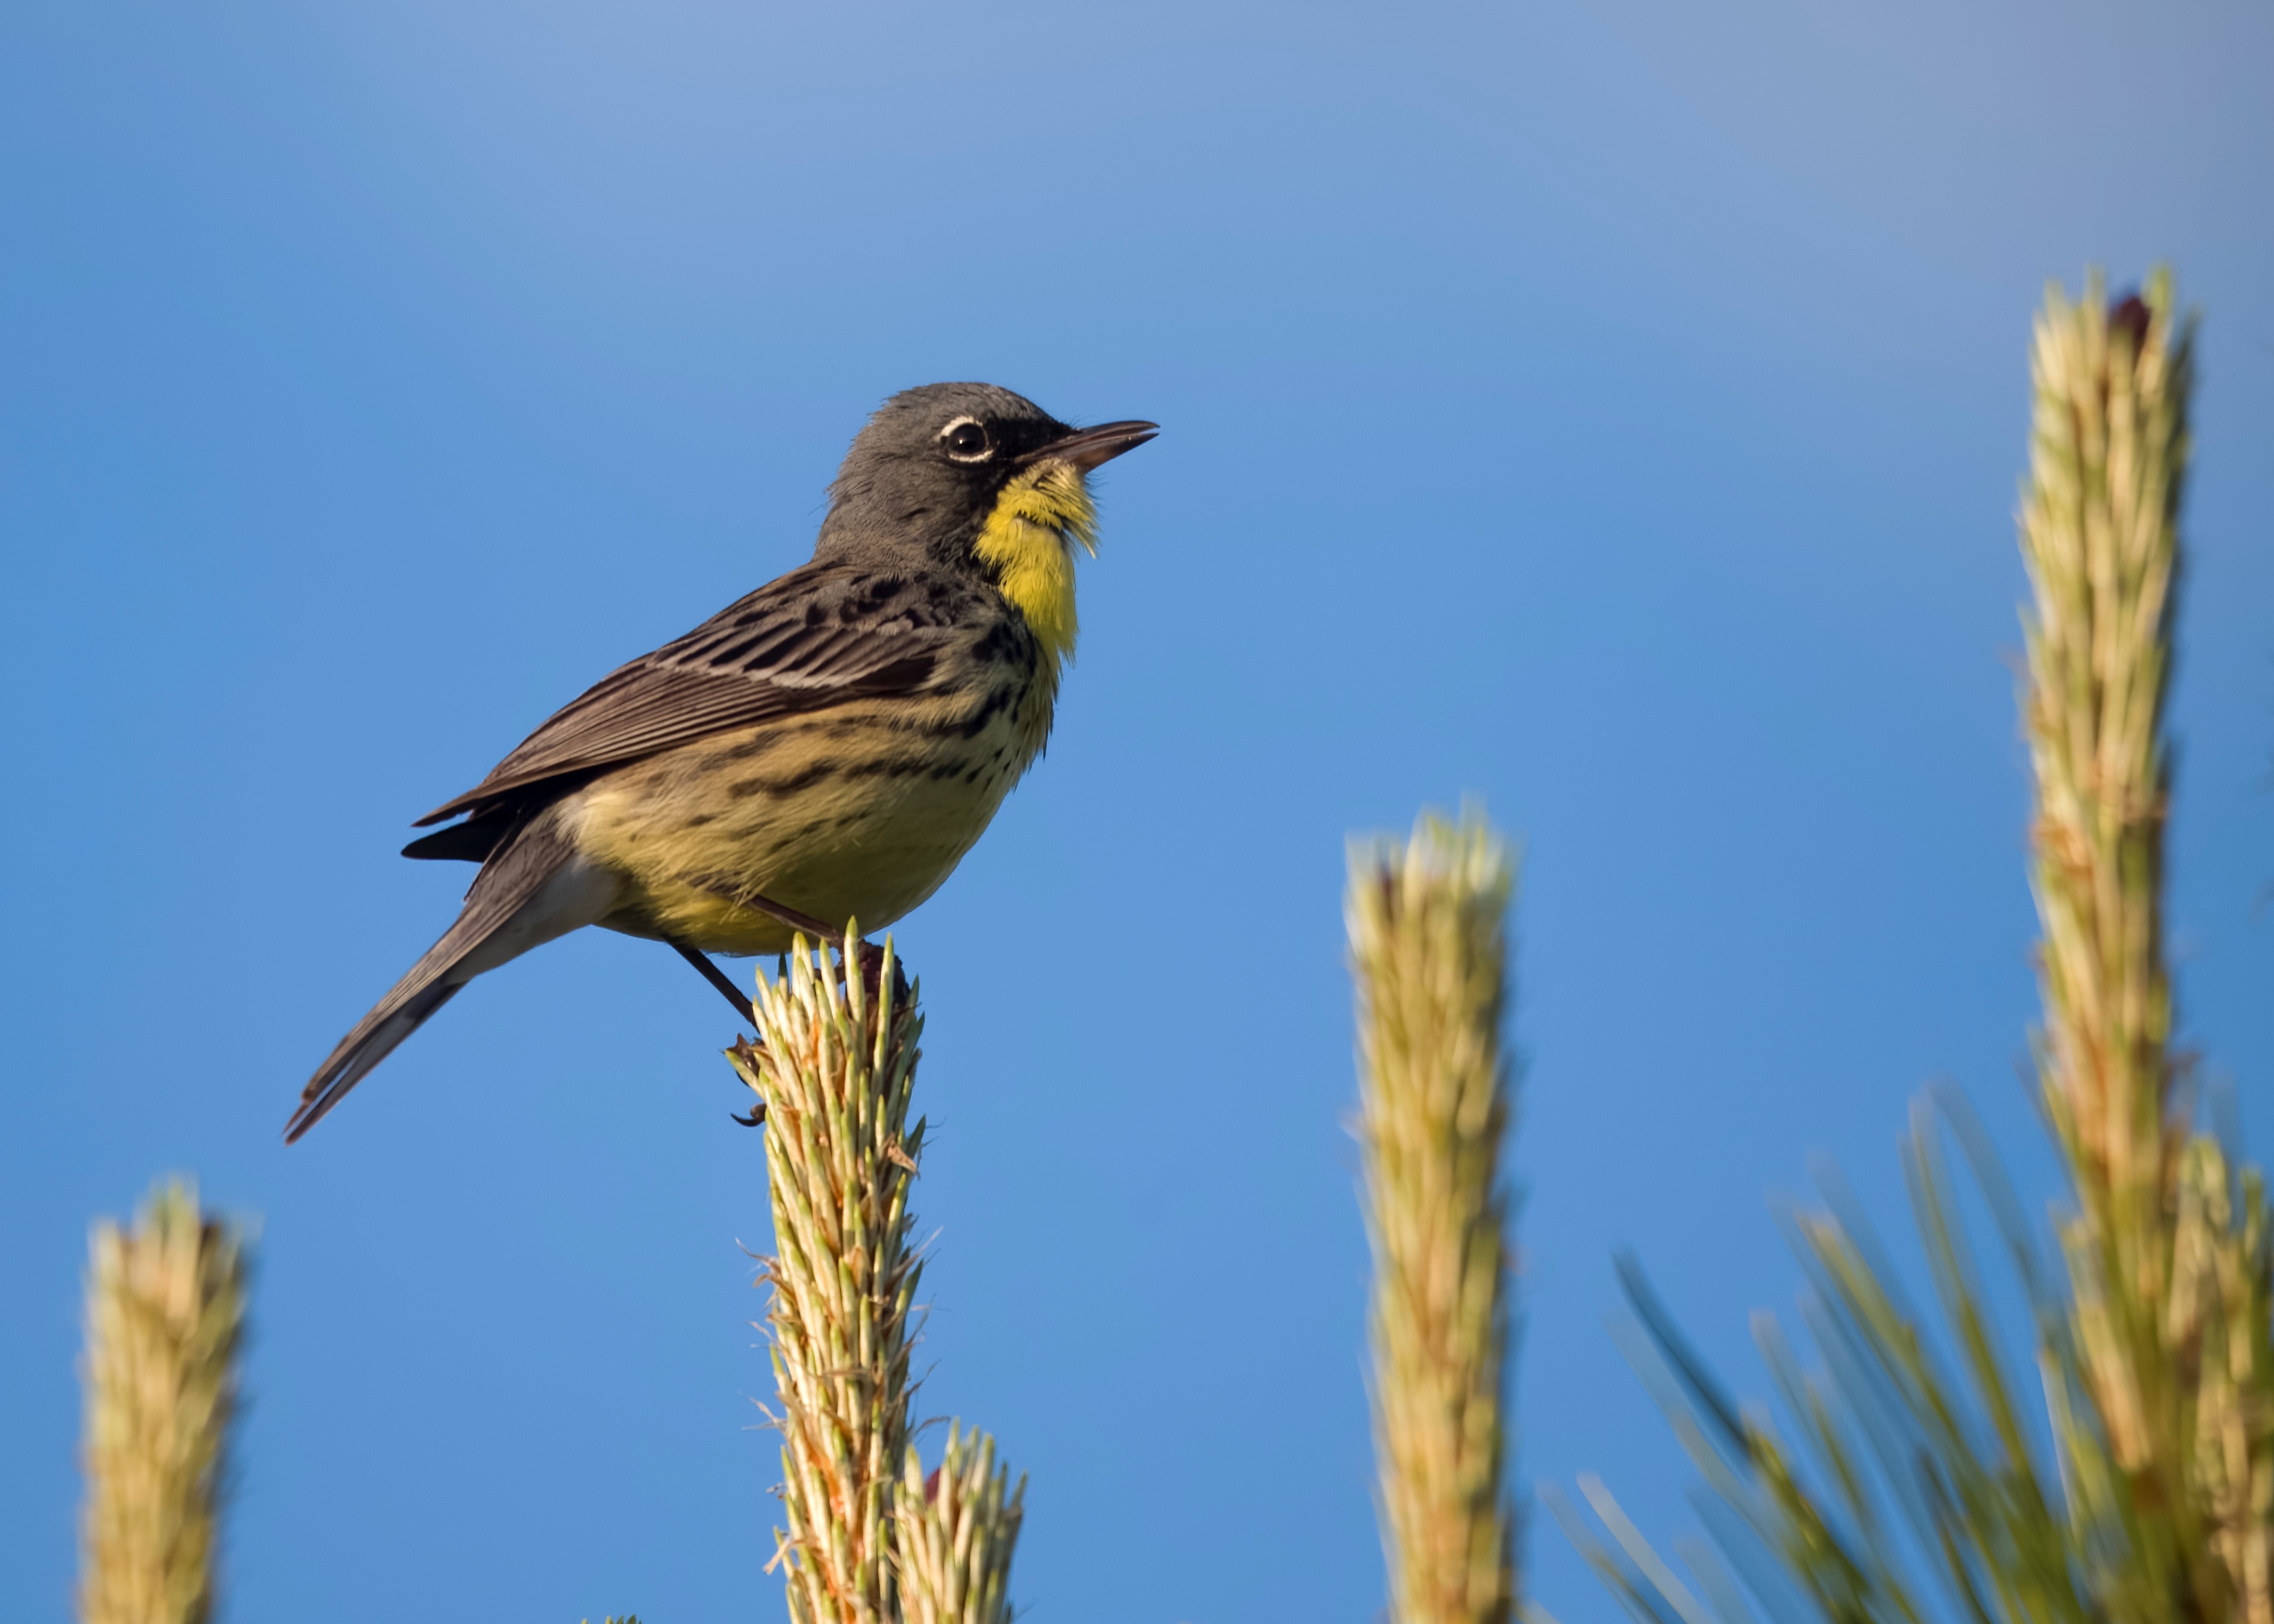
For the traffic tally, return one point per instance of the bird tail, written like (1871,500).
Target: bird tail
(536,889)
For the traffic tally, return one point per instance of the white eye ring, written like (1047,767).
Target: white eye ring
(968,452)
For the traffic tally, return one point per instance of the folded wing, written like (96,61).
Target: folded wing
(817,636)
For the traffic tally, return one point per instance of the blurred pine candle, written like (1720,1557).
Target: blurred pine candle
(2167,1249)
(1428,949)
(165,1320)
(2154,1343)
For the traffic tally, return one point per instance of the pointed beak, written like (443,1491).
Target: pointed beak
(1086,448)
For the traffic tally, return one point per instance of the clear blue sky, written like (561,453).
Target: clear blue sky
(1612,411)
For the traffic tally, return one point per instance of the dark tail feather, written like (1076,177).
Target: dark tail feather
(393,1018)
(475,840)
(505,890)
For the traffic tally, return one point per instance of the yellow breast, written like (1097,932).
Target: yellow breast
(1029,540)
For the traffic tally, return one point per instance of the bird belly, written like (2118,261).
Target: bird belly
(847,818)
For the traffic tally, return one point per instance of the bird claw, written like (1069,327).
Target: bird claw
(744,1053)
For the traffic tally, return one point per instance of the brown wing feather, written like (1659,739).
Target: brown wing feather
(817,636)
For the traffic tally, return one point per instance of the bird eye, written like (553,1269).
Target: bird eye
(966,439)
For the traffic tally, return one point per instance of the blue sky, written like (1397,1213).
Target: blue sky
(1614,412)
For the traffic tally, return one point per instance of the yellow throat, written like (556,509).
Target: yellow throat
(1030,539)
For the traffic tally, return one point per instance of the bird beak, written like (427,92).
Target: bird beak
(1086,448)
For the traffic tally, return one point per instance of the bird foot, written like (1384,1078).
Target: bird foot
(744,1053)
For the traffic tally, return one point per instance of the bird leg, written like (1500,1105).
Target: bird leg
(795,920)
(713,974)
(872,957)
(727,990)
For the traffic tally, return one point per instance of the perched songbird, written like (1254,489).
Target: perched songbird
(827,748)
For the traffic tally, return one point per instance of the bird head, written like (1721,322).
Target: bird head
(971,476)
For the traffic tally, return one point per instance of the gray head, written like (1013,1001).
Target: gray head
(926,471)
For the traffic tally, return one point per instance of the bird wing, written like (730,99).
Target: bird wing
(819,635)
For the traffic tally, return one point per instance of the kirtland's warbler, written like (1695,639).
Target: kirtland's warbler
(826,749)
